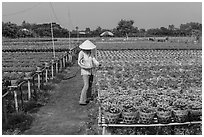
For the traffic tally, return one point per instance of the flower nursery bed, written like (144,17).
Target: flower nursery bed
(147,45)
(149,87)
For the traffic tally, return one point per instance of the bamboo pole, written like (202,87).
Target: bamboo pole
(64,62)
(61,65)
(28,79)
(46,72)
(42,81)
(56,67)
(38,80)
(104,130)
(16,100)
(70,56)
(38,73)
(14,87)
(52,69)
(66,57)
(22,103)
(29,91)
(53,44)
(34,88)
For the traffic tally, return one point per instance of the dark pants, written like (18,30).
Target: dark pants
(89,92)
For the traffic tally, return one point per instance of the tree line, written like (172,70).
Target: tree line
(124,28)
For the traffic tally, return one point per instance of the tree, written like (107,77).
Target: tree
(26,25)
(153,32)
(97,32)
(25,33)
(135,30)
(9,30)
(142,32)
(164,31)
(171,27)
(196,34)
(115,32)
(87,30)
(125,27)
(190,26)
(187,28)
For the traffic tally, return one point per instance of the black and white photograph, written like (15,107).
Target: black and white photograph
(101,67)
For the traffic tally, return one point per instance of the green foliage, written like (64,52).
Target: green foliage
(124,28)
(9,30)
(17,122)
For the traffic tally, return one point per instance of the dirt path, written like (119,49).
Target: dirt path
(62,115)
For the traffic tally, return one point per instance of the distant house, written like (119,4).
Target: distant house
(82,32)
(25,33)
(106,33)
(24,29)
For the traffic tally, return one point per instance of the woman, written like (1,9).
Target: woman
(87,62)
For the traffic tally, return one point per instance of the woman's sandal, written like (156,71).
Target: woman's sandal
(83,104)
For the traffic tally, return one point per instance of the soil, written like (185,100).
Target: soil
(63,115)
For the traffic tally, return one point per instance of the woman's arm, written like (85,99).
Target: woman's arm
(81,62)
(95,61)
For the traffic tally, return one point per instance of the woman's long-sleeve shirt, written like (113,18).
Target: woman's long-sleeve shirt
(86,63)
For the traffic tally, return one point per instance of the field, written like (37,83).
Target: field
(40,45)
(139,82)
(149,83)
(25,55)
(146,45)
(29,67)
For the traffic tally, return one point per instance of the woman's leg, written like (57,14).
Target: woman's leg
(83,97)
(89,93)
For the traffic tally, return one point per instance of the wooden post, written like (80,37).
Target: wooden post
(46,72)
(52,69)
(38,71)
(22,103)
(70,56)
(56,66)
(34,88)
(66,58)
(64,62)
(16,99)
(29,91)
(49,72)
(60,65)
(42,81)
(104,130)
(38,80)
(14,86)
(28,78)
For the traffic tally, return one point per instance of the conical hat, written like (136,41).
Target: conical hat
(87,45)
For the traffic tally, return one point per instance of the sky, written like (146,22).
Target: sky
(104,14)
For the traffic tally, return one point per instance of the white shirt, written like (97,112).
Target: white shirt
(86,62)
